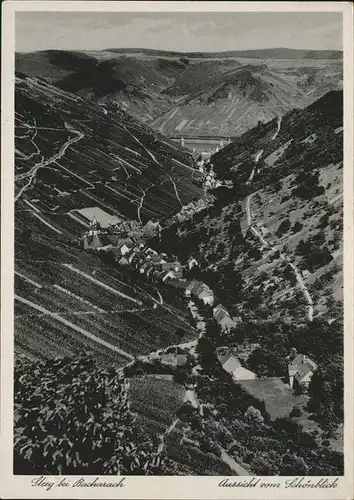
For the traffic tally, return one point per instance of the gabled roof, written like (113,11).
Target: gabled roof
(145,265)
(199,288)
(220,313)
(125,241)
(242,373)
(190,286)
(169,272)
(149,267)
(205,292)
(229,362)
(300,362)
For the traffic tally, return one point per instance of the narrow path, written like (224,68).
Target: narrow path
(141,205)
(240,471)
(166,433)
(258,155)
(87,313)
(101,284)
(176,191)
(34,283)
(302,286)
(152,156)
(33,207)
(62,320)
(278,128)
(44,163)
(77,297)
(45,222)
(160,297)
(283,257)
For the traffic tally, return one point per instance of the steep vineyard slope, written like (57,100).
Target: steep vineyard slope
(69,154)
(97,156)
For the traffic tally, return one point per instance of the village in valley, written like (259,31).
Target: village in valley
(127,241)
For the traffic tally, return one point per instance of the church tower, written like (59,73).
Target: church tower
(94,228)
(92,238)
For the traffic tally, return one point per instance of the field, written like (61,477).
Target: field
(279,399)
(155,401)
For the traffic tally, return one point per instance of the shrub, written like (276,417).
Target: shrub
(323,221)
(295,412)
(297,227)
(283,227)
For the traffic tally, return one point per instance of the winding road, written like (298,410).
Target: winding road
(286,259)
(258,155)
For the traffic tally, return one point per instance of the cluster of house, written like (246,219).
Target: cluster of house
(187,211)
(146,261)
(108,233)
(300,367)
(203,292)
(211,182)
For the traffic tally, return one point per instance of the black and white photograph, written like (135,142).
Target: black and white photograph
(178,245)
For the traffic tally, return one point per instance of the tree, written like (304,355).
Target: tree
(295,412)
(234,229)
(267,362)
(220,249)
(283,227)
(254,253)
(294,465)
(297,227)
(72,418)
(254,418)
(266,464)
(180,377)
(326,393)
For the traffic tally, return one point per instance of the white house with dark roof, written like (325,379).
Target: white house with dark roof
(223,318)
(232,365)
(301,368)
(200,290)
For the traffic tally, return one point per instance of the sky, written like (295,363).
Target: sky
(177,31)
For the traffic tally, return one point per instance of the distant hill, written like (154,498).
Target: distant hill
(276,53)
(192,95)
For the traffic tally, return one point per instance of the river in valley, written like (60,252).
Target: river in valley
(202,145)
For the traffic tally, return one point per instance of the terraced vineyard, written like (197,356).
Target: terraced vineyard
(71,154)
